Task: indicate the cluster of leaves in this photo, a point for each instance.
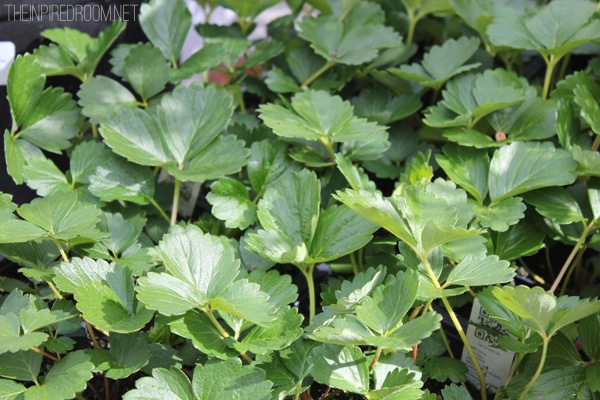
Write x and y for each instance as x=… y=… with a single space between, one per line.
x=357 y=127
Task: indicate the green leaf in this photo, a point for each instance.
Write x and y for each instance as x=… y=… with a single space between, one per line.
x=590 y=109
x=128 y=353
x=355 y=175
x=467 y=167
x=343 y=43
x=268 y=162
x=164 y=383
x=207 y=58
x=351 y=293
x=100 y=95
x=379 y=106
x=166 y=23
x=533 y=119
x=85 y=157
x=340 y=231
x=44 y=177
x=119 y=179
x=279 y=82
x=10 y=390
x=283 y=331
x=455 y=392
x=522 y=166
x=470 y=97
x=231 y=203
x=479 y=270
x=245 y=10
x=441 y=63
x=589 y=336
x=499 y=216
x=342 y=367
x=66 y=378
x=230 y=380
x=592 y=376
x=22 y=365
x=445 y=368
x=317 y=115
x=555 y=30
x=555 y=203
x=63 y=216
x=19 y=231
x=196 y=326
x=78 y=272
x=11 y=338
x=145 y=71
x=383 y=311
x=519 y=240
x=46 y=118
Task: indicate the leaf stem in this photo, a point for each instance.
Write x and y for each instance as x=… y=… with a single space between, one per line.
x=329 y=146
x=412 y=24
x=90 y=330
x=45 y=354
x=550 y=64
x=298 y=390
x=577 y=264
x=375 y=358
x=61 y=250
x=222 y=331
x=175 y=206
x=95 y=131
x=568 y=261
x=353 y=262
x=308 y=274
x=539 y=368
x=320 y=72
x=596 y=143
x=159 y=208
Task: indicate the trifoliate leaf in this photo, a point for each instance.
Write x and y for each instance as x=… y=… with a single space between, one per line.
x=101 y=95
x=499 y=216
x=231 y=203
x=343 y=367
x=555 y=203
x=166 y=23
x=66 y=378
x=343 y=43
x=42 y=175
x=63 y=216
x=467 y=167
x=11 y=338
x=383 y=311
x=230 y=380
x=164 y=383
x=479 y=270
x=128 y=353
x=145 y=71
x=119 y=179
x=47 y=118
x=441 y=63
x=379 y=106
x=555 y=30
x=469 y=97
x=523 y=166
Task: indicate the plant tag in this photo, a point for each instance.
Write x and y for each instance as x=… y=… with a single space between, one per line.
x=7 y=56
x=188 y=195
x=494 y=361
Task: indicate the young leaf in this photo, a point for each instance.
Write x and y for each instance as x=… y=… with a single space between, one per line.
x=230 y=380
x=128 y=353
x=499 y=216
x=470 y=97
x=101 y=95
x=11 y=339
x=467 y=167
x=66 y=378
x=343 y=367
x=555 y=30
x=63 y=216
x=343 y=43
x=479 y=270
x=231 y=203
x=441 y=63
x=166 y=23
x=268 y=162
x=122 y=180
x=379 y=106
x=522 y=166
x=164 y=383
x=278 y=335
x=555 y=203
x=351 y=293
x=145 y=71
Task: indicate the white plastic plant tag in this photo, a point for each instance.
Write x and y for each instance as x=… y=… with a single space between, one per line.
x=7 y=56
x=495 y=362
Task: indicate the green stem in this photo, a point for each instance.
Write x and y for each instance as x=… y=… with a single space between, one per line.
x=329 y=146
x=222 y=331
x=596 y=143
x=175 y=206
x=320 y=72
x=159 y=208
x=42 y=352
x=446 y=343
x=412 y=24
x=375 y=358
x=298 y=391
x=550 y=64
x=54 y=290
x=569 y=260
x=539 y=368
x=307 y=271
x=563 y=67
x=353 y=262
x=95 y=131
x=577 y=264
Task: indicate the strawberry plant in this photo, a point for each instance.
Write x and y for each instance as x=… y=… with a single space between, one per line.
x=317 y=228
